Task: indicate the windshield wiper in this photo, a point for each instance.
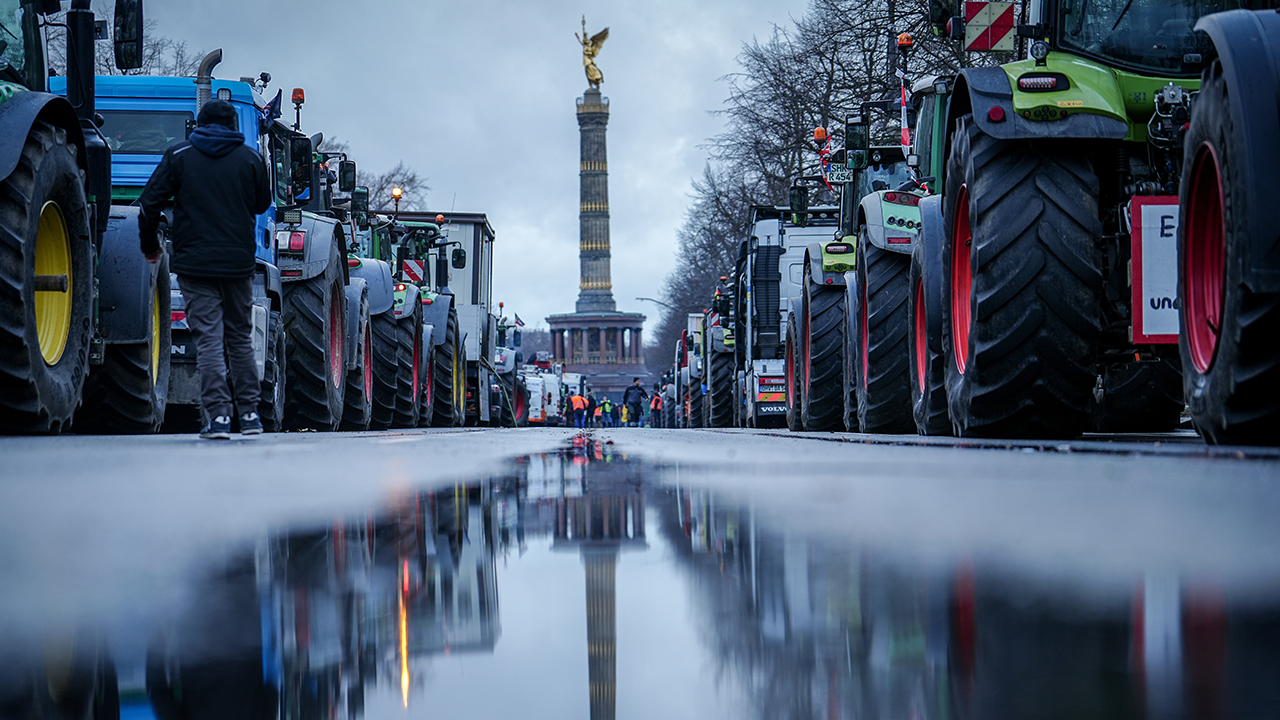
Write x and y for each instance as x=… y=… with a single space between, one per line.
x=1122 y=12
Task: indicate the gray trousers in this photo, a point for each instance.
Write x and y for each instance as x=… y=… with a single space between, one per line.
x=220 y=314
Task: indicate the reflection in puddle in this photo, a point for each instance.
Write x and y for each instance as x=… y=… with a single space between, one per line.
x=629 y=596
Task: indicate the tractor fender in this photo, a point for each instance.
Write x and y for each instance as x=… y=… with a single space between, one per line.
x=981 y=90
x=319 y=231
x=382 y=286
x=931 y=244
x=21 y=111
x=354 y=336
x=404 y=305
x=125 y=280
x=271 y=286
x=871 y=212
x=436 y=314
x=718 y=340
x=818 y=275
x=1247 y=43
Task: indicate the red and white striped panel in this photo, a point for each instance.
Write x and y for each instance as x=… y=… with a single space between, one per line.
x=414 y=270
x=988 y=26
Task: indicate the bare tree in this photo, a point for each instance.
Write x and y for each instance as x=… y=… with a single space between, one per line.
x=161 y=55
x=413 y=188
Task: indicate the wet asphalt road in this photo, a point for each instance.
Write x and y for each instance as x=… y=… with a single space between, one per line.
x=642 y=573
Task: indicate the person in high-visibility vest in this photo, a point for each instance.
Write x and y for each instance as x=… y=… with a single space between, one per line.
x=579 y=410
x=655 y=410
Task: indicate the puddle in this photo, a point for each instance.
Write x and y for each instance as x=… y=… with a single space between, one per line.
x=590 y=584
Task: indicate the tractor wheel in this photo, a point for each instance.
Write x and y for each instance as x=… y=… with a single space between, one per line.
x=880 y=366
x=518 y=395
x=409 y=370
x=720 y=386
x=447 y=376
x=1139 y=397
x=927 y=372
x=822 y=346
x=44 y=335
x=1231 y=368
x=315 y=339
x=850 y=393
x=696 y=400
x=428 y=388
x=271 y=402
x=357 y=405
x=794 y=385
x=128 y=392
x=386 y=347
x=1023 y=276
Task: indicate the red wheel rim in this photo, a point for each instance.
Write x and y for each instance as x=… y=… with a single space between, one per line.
x=429 y=388
x=368 y=364
x=336 y=336
x=921 y=336
x=961 y=278
x=519 y=402
x=864 y=334
x=1205 y=259
x=791 y=376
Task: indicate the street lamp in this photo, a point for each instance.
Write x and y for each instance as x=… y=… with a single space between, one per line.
x=658 y=302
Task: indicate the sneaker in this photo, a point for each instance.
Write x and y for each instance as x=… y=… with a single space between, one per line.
x=250 y=423
x=219 y=428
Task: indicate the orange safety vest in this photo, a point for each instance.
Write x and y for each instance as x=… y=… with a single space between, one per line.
x=579 y=402
x=655 y=403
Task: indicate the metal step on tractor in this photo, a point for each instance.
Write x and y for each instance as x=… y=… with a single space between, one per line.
x=1103 y=249
x=83 y=332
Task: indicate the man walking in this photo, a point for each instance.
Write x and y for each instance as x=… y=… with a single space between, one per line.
x=632 y=398
x=218 y=185
x=579 y=410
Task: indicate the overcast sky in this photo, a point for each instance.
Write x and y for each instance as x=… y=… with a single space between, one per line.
x=478 y=97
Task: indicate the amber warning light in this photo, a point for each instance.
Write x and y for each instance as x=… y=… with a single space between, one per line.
x=299 y=96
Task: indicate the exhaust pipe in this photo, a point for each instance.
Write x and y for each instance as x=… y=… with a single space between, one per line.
x=204 y=78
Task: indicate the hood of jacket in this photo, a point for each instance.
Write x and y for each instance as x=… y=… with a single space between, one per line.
x=215 y=140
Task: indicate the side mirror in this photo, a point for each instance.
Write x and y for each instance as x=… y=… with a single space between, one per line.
x=799 y=205
x=301 y=164
x=402 y=254
x=458 y=258
x=515 y=338
x=128 y=34
x=359 y=199
x=347 y=177
x=857 y=140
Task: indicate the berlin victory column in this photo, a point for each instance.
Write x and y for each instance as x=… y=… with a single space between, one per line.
x=598 y=341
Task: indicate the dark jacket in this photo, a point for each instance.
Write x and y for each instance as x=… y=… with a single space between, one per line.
x=634 y=395
x=219 y=186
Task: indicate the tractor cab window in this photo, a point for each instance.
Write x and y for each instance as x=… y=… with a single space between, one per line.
x=144 y=133
x=884 y=176
x=21 y=50
x=1145 y=35
x=280 y=167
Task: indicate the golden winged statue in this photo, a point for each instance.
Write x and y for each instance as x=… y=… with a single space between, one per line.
x=591 y=48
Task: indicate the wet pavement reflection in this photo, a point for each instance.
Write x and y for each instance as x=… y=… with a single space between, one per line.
x=590 y=584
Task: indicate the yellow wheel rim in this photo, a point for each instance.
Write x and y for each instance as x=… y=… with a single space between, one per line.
x=53 y=309
x=155 y=335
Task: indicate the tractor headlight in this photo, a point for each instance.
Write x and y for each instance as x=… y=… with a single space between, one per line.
x=1039 y=50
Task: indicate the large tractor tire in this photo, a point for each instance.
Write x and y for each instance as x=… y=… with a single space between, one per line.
x=880 y=365
x=409 y=370
x=721 y=390
x=44 y=335
x=822 y=349
x=1023 y=276
x=449 y=376
x=271 y=400
x=1139 y=397
x=357 y=404
x=128 y=392
x=696 y=400
x=794 y=385
x=428 y=410
x=517 y=394
x=1230 y=364
x=927 y=372
x=386 y=349
x=315 y=339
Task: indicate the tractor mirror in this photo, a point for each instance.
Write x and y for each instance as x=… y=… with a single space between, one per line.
x=346 y=176
x=360 y=199
x=799 y=205
x=300 y=166
x=857 y=140
x=128 y=34
x=515 y=338
x=459 y=258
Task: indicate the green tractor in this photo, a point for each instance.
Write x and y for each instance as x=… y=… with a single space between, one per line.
x=1061 y=222
x=83 y=318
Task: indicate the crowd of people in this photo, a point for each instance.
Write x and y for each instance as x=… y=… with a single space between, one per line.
x=590 y=411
